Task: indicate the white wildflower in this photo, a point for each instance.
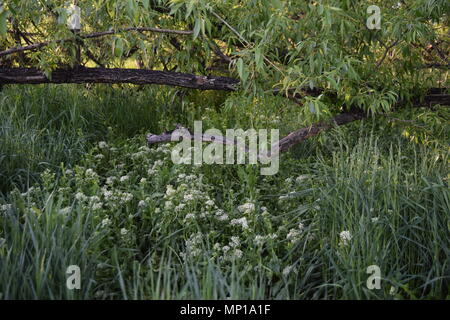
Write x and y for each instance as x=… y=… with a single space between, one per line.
x=247 y=207
x=168 y=205
x=235 y=242
x=302 y=177
x=345 y=237
x=241 y=222
x=123 y=232
x=106 y=222
x=210 y=203
x=259 y=240
x=110 y=180
x=180 y=207
x=190 y=216
x=127 y=197
x=170 y=191
x=90 y=173
x=102 y=145
x=124 y=178
x=237 y=253
x=301 y=226
x=97 y=206
x=142 y=204
x=80 y=196
x=293 y=235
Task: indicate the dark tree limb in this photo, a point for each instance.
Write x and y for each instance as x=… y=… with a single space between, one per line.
x=101 y=75
x=91 y=36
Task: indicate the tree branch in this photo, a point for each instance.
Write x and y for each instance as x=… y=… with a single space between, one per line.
x=101 y=75
x=36 y=46
x=435 y=96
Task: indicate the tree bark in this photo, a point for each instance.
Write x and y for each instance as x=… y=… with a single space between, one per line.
x=101 y=75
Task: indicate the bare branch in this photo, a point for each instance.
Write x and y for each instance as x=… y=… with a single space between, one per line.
x=386 y=52
x=91 y=36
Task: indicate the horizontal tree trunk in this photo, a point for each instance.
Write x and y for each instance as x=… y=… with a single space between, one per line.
x=102 y=75
x=282 y=145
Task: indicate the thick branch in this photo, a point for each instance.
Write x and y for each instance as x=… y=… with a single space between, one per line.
x=302 y=134
x=91 y=36
x=101 y=75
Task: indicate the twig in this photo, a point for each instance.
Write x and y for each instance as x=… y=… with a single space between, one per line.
x=386 y=52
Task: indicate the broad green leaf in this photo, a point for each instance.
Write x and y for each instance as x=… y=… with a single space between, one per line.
x=197 y=27
x=3 y=23
x=118 y=47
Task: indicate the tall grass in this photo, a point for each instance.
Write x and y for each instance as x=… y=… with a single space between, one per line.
x=394 y=203
x=371 y=193
x=42 y=126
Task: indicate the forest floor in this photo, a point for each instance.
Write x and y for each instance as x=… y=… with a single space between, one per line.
x=79 y=186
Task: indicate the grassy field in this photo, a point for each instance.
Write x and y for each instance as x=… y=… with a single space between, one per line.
x=79 y=186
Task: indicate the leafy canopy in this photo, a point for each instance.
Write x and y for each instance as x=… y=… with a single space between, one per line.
x=269 y=44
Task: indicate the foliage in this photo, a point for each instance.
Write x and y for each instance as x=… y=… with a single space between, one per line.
x=272 y=44
x=141 y=227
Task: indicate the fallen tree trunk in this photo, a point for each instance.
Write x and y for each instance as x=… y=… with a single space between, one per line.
x=435 y=96
x=283 y=144
x=102 y=75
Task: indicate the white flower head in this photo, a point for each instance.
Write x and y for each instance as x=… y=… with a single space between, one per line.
x=237 y=253
x=259 y=240
x=240 y=222
x=302 y=177
x=142 y=204
x=189 y=216
x=106 y=222
x=102 y=145
x=210 y=203
x=293 y=235
x=247 y=207
x=235 y=242
x=188 y=197
x=170 y=191
x=345 y=236
x=124 y=178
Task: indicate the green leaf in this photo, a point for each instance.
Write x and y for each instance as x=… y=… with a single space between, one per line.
x=259 y=58
x=241 y=70
x=312 y=107
x=118 y=47
x=145 y=3
x=197 y=27
x=3 y=23
x=190 y=7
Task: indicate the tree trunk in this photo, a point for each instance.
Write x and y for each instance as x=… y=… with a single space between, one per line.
x=102 y=75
